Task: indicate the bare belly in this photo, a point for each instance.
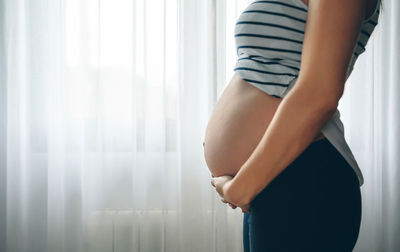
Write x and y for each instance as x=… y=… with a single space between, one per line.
x=237 y=124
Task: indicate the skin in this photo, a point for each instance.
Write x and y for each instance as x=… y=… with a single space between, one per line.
x=331 y=33
x=245 y=112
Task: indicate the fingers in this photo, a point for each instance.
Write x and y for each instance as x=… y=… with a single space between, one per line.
x=246 y=208
x=233 y=206
x=214 y=181
x=230 y=204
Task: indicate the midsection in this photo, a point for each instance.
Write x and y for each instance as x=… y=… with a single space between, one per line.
x=237 y=124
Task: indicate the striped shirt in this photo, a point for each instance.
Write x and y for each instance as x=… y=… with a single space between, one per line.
x=269 y=38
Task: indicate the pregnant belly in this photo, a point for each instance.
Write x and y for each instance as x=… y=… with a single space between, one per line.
x=237 y=124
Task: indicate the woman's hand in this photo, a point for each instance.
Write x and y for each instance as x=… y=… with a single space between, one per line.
x=245 y=208
x=221 y=185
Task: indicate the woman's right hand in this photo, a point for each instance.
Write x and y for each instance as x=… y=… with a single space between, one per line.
x=245 y=208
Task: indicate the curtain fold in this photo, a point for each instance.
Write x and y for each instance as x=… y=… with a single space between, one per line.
x=371 y=116
x=103 y=111
x=3 y=134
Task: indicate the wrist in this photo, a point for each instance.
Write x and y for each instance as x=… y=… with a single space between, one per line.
x=238 y=192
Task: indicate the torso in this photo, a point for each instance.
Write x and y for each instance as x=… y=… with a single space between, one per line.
x=237 y=124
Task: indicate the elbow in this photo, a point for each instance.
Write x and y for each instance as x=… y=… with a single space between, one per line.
x=323 y=95
x=323 y=101
x=329 y=104
x=327 y=99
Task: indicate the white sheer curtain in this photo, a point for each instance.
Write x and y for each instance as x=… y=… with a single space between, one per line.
x=103 y=109
x=370 y=108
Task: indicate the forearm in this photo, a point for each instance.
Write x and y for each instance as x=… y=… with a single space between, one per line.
x=297 y=121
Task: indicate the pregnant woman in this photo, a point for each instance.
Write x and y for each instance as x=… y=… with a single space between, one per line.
x=275 y=143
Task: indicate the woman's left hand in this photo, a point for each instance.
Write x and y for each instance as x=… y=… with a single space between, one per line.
x=221 y=184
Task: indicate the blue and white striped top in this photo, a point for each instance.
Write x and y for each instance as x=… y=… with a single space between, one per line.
x=269 y=38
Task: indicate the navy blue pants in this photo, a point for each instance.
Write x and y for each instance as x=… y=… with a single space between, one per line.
x=313 y=205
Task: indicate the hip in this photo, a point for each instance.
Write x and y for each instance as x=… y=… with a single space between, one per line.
x=320 y=175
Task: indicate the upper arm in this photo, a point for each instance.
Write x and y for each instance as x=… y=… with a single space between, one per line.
x=330 y=36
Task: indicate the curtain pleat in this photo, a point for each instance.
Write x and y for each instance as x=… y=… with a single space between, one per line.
x=370 y=108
